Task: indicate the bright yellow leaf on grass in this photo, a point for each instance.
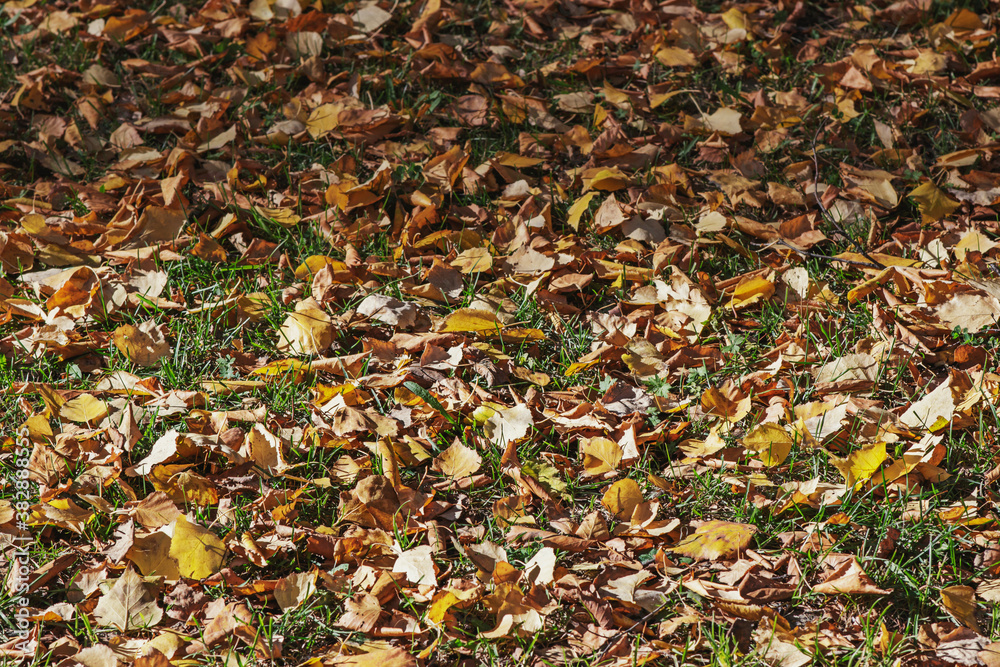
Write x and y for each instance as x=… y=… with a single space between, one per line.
x=312 y=265
x=578 y=366
x=577 y=210
x=198 y=551
x=770 y=442
x=471 y=320
x=861 y=464
x=933 y=203
x=713 y=540
x=283 y=368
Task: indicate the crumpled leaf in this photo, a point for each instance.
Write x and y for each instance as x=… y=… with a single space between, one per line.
x=144 y=345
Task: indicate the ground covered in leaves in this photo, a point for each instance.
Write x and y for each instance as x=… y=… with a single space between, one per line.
x=525 y=332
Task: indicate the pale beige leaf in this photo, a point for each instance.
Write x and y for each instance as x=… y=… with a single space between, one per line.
x=508 y=425
x=457 y=461
x=295 y=589
x=128 y=605
x=417 y=564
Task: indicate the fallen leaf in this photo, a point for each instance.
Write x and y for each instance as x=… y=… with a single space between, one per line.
x=470 y=320
x=960 y=602
x=933 y=203
x=622 y=499
x=197 y=551
x=307 y=331
x=715 y=540
x=128 y=605
x=457 y=461
x=861 y=464
x=771 y=443
x=417 y=564
x=292 y=591
x=143 y=345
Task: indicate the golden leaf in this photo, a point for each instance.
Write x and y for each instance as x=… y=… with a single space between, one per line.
x=861 y=464
x=471 y=320
x=933 y=203
x=197 y=551
x=713 y=540
x=770 y=442
x=622 y=499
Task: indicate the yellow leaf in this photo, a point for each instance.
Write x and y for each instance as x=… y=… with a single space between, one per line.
x=771 y=443
x=307 y=331
x=960 y=602
x=323 y=119
x=881 y=258
x=183 y=486
x=622 y=498
x=749 y=291
x=601 y=455
x=282 y=368
x=713 y=540
x=83 y=409
x=672 y=56
x=471 y=320
x=861 y=464
x=578 y=366
x=933 y=203
x=578 y=208
x=521 y=334
x=311 y=266
x=285 y=217
x=608 y=180
x=198 y=551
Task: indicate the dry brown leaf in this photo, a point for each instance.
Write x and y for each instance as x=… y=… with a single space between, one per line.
x=144 y=345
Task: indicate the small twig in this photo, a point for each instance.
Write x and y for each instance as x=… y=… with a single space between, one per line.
x=826 y=214
x=621 y=633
